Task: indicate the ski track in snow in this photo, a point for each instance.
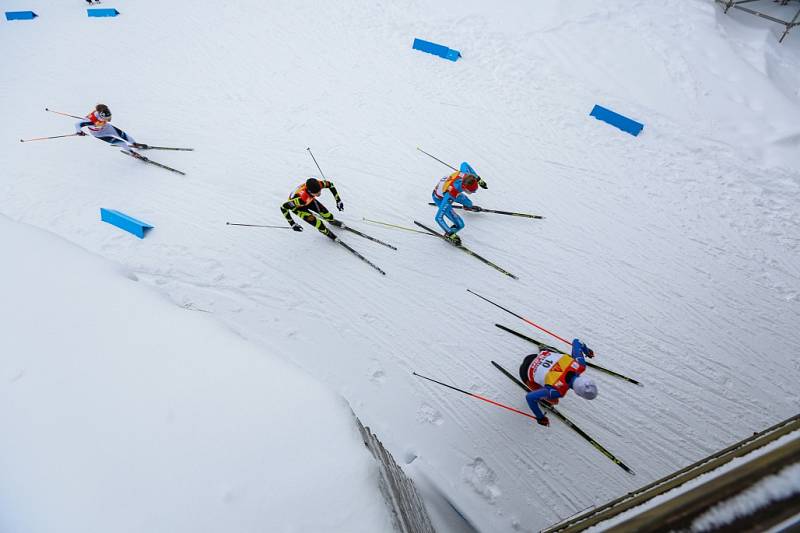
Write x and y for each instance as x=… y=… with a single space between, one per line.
x=671 y=254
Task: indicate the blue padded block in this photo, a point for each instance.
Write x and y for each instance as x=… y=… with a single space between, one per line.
x=123 y=221
x=20 y=15
x=436 y=49
x=615 y=119
x=102 y=12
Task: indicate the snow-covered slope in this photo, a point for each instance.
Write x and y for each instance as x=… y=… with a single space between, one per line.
x=673 y=254
x=122 y=412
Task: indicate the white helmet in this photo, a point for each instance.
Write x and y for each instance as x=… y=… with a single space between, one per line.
x=585 y=387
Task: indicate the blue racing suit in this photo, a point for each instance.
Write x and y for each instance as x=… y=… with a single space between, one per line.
x=449 y=190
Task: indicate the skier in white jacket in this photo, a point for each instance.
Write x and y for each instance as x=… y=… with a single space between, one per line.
x=98 y=122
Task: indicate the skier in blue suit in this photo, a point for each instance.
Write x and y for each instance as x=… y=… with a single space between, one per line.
x=454 y=188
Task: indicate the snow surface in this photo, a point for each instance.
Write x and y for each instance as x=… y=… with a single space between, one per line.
x=121 y=412
x=673 y=254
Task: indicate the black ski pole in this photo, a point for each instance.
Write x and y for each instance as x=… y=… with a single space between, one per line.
x=436 y=158
x=315 y=162
x=257 y=225
x=46 y=138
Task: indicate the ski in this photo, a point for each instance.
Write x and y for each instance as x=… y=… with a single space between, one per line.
x=339 y=224
x=367 y=261
x=467 y=250
x=543 y=346
x=141 y=146
x=568 y=422
x=484 y=210
x=150 y=161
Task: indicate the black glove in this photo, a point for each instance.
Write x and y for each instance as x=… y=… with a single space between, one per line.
x=482 y=183
x=339 y=205
x=544 y=421
x=297 y=227
x=588 y=352
x=476 y=208
x=81 y=133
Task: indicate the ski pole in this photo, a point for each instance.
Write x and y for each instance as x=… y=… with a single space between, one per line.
x=436 y=158
x=45 y=138
x=257 y=225
x=315 y=162
x=395 y=226
x=479 y=397
x=65 y=114
x=537 y=326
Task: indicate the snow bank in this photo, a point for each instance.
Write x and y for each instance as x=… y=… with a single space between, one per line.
x=122 y=412
x=773 y=488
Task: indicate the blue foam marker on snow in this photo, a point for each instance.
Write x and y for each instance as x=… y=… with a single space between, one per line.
x=436 y=49
x=123 y=221
x=20 y=15
x=615 y=119
x=102 y=12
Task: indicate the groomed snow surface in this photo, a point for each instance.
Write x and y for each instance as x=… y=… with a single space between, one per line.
x=673 y=254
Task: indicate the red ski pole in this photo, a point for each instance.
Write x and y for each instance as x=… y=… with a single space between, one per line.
x=65 y=114
x=479 y=397
x=537 y=326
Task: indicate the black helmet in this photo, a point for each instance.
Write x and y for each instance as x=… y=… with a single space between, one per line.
x=102 y=111
x=313 y=186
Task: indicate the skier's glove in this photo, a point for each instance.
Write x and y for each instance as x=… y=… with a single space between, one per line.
x=297 y=227
x=585 y=350
x=482 y=183
x=339 y=205
x=544 y=421
x=81 y=133
x=476 y=208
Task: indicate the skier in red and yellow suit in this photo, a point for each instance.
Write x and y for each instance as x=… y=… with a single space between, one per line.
x=550 y=375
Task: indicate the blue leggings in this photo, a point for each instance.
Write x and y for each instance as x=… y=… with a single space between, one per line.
x=446 y=210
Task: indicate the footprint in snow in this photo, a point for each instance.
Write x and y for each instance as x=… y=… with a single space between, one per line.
x=378 y=377
x=482 y=479
x=430 y=415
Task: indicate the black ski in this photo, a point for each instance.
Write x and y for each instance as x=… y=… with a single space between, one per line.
x=543 y=346
x=141 y=146
x=567 y=421
x=339 y=224
x=367 y=261
x=150 y=161
x=484 y=210
x=467 y=250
